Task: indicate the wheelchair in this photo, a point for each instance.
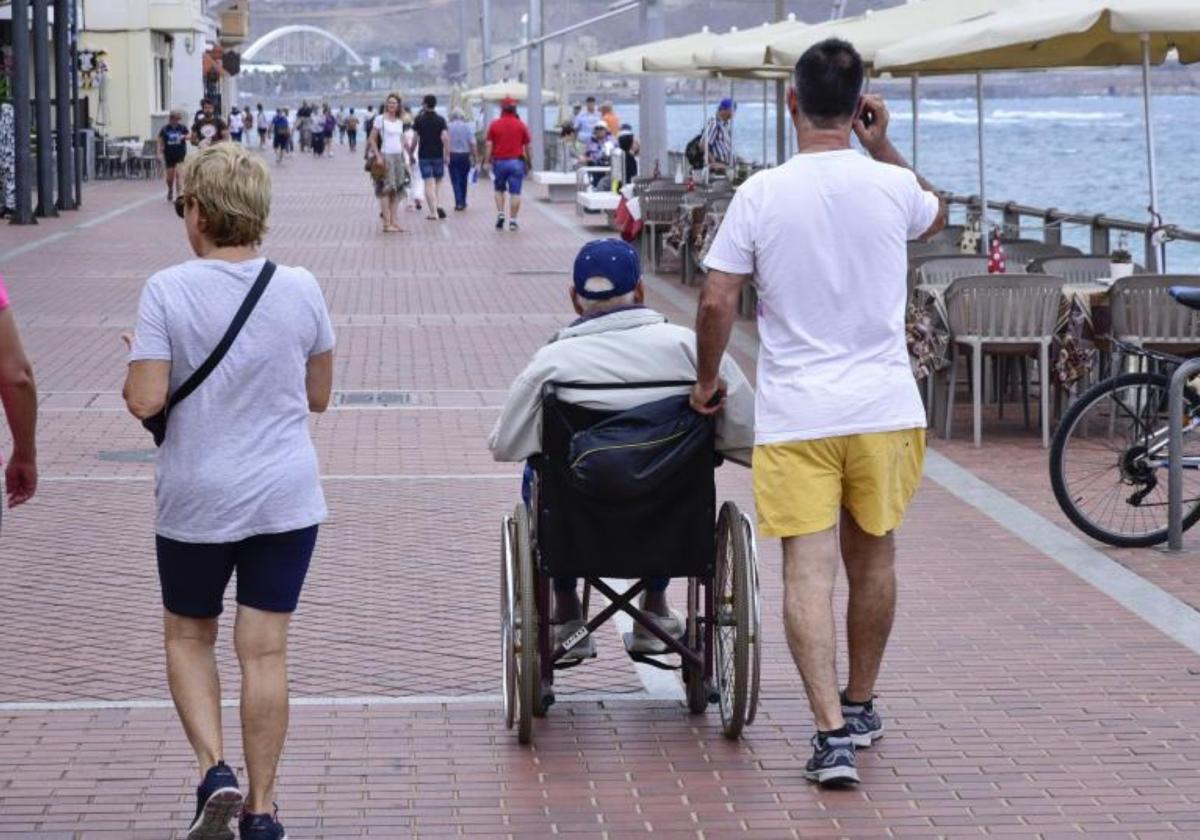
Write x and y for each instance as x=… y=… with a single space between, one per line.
x=673 y=530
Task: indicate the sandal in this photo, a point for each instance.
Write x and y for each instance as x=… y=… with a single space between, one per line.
x=644 y=642
x=583 y=649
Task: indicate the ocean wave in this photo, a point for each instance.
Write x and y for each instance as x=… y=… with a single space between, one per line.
x=1005 y=117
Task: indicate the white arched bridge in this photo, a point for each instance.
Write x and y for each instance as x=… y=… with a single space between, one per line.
x=299 y=28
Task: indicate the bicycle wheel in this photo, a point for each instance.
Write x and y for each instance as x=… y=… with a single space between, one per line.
x=1108 y=462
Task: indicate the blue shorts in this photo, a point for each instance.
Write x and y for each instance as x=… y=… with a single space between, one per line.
x=270 y=572
x=508 y=174
x=434 y=168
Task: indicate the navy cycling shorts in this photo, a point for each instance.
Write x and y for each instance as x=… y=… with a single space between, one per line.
x=270 y=572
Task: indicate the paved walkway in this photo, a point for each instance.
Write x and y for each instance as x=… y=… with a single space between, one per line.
x=1020 y=699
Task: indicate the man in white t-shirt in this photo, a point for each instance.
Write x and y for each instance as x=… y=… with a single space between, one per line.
x=839 y=429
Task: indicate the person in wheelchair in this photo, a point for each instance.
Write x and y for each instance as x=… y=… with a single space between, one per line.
x=616 y=338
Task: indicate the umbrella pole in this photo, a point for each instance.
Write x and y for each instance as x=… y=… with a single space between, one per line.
x=764 y=124
x=732 y=143
x=983 y=206
x=915 y=84
x=1155 y=253
x=704 y=124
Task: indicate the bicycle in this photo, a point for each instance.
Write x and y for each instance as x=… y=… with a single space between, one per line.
x=1108 y=459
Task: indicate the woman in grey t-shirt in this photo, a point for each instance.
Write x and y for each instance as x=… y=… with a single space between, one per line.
x=238 y=487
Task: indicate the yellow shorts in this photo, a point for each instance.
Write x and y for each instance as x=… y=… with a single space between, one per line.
x=800 y=486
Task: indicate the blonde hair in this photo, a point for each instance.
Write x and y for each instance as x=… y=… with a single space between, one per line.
x=233 y=189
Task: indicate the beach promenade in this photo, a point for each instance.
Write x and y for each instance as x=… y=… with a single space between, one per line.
x=1036 y=684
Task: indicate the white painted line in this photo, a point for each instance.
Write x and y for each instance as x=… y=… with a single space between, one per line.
x=1153 y=605
x=13 y=253
x=65 y=479
x=324 y=702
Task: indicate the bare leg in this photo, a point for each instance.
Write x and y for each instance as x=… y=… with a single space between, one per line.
x=261 y=642
x=431 y=197
x=809 y=571
x=195 y=684
x=499 y=203
x=514 y=206
x=170 y=182
x=871 y=571
x=385 y=211
x=393 y=210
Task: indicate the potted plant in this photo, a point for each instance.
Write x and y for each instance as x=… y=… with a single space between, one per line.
x=1120 y=262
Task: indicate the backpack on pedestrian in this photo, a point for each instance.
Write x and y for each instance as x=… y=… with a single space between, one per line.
x=694 y=151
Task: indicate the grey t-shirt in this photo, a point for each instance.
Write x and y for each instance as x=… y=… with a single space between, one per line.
x=462 y=135
x=237 y=459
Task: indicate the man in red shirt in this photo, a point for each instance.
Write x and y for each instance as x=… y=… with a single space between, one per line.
x=508 y=142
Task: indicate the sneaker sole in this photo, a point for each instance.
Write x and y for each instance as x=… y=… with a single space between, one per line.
x=833 y=777
x=222 y=807
x=863 y=742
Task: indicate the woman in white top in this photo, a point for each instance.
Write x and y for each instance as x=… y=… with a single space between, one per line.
x=389 y=159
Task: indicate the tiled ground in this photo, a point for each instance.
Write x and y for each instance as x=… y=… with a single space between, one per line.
x=1020 y=701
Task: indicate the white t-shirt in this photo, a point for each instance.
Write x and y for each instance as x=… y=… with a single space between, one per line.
x=238 y=459
x=824 y=236
x=391 y=136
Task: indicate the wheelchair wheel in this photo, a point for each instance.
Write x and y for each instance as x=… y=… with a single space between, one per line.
x=529 y=672
x=756 y=621
x=693 y=678
x=509 y=624
x=734 y=620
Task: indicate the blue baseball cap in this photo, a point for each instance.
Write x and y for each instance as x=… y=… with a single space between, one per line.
x=727 y=104
x=610 y=260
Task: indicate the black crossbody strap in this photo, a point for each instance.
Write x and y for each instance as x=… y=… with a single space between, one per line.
x=239 y=320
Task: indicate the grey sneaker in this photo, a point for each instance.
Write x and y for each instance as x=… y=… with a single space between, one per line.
x=864 y=723
x=833 y=763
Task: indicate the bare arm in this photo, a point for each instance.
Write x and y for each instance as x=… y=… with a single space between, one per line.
x=318 y=381
x=18 y=392
x=487 y=155
x=373 y=141
x=714 y=324
x=146 y=386
x=446 y=145
x=879 y=146
x=161 y=147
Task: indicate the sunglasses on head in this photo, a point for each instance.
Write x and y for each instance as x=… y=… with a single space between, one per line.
x=180 y=204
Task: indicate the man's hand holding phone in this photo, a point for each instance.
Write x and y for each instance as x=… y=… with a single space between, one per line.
x=870 y=124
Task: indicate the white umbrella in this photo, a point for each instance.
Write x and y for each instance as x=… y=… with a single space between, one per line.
x=499 y=91
x=631 y=61
x=1068 y=33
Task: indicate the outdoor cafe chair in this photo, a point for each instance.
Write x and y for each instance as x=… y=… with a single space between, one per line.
x=660 y=204
x=1001 y=315
x=146 y=161
x=1077 y=269
x=1145 y=315
x=942 y=269
x=1019 y=252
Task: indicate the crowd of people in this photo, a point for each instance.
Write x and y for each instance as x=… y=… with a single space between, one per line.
x=834 y=430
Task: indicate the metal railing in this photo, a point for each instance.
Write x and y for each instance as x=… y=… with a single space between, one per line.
x=1051 y=222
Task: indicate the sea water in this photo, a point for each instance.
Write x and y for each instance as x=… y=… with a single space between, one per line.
x=1078 y=154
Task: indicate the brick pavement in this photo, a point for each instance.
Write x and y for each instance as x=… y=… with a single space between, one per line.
x=1020 y=701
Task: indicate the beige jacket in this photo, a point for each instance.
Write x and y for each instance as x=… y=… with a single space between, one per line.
x=627 y=345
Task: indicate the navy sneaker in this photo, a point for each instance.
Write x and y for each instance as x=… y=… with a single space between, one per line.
x=864 y=723
x=262 y=827
x=513 y=226
x=833 y=763
x=218 y=801
x=500 y=222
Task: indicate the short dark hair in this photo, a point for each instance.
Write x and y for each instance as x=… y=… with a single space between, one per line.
x=430 y=100
x=829 y=80
x=590 y=99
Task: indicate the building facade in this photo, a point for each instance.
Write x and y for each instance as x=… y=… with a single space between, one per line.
x=141 y=58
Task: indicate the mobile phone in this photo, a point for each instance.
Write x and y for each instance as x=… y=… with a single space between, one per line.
x=867 y=116
x=715 y=399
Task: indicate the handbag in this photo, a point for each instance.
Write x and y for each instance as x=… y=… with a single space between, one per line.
x=157 y=425
x=377 y=168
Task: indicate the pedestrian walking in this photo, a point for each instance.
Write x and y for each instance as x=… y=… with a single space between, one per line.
x=282 y=131
x=433 y=144
x=328 y=126
x=304 y=125
x=18 y=394
x=318 y=133
x=208 y=128
x=247 y=126
x=340 y=116
x=389 y=161
x=235 y=125
x=586 y=119
x=412 y=151
x=508 y=151
x=352 y=130
x=237 y=481
x=463 y=156
x=840 y=429
x=172 y=148
x=262 y=122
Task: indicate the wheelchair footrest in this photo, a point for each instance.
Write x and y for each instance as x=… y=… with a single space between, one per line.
x=650 y=659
